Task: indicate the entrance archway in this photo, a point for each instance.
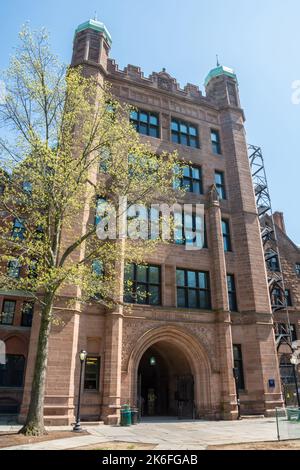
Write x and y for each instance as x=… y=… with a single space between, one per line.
x=183 y=357
x=165 y=382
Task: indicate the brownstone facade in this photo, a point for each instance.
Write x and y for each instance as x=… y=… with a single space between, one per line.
x=290 y=257
x=193 y=351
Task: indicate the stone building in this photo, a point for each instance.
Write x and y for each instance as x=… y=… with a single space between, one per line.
x=211 y=312
x=290 y=257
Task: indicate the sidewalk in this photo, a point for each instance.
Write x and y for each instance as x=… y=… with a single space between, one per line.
x=166 y=434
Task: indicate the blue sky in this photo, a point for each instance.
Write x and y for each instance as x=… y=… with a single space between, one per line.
x=259 y=38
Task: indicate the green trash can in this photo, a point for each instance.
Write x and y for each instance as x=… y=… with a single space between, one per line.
x=134 y=415
x=125 y=415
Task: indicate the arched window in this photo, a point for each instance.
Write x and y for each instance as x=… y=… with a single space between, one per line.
x=286 y=369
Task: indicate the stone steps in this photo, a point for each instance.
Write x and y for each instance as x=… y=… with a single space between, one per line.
x=252 y=417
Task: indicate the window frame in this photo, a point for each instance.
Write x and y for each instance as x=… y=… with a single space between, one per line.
x=272 y=261
x=217 y=142
x=183 y=241
x=190 y=180
x=5 y=301
x=137 y=123
x=11 y=268
x=297 y=269
x=133 y=293
x=282 y=328
x=221 y=187
x=188 y=135
x=97 y=374
x=186 y=288
x=232 y=295
x=226 y=235
x=277 y=298
x=288 y=297
x=294 y=332
x=239 y=366
x=27 y=324
x=18 y=231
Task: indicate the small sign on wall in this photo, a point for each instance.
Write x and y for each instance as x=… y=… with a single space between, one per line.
x=271 y=383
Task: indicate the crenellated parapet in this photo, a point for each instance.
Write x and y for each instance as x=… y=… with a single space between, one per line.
x=159 y=80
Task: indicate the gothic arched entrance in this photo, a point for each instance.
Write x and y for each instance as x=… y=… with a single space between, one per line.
x=165 y=382
x=183 y=367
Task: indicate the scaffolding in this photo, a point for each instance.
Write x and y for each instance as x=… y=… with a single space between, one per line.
x=276 y=283
x=277 y=291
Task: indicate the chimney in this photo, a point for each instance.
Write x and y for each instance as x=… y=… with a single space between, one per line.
x=279 y=221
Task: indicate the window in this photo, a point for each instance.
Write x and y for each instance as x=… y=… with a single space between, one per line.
x=144 y=222
x=231 y=293
x=13 y=269
x=294 y=333
x=105 y=159
x=191 y=180
x=297 y=267
x=272 y=261
x=97 y=267
x=277 y=297
x=193 y=289
x=283 y=329
x=220 y=184
x=102 y=211
x=226 y=235
x=27 y=187
x=142 y=284
x=18 y=230
x=39 y=233
x=190 y=229
x=32 y=269
x=145 y=123
x=288 y=297
x=286 y=370
x=12 y=372
x=215 y=142
x=91 y=373
x=8 y=312
x=27 y=314
x=184 y=133
x=238 y=366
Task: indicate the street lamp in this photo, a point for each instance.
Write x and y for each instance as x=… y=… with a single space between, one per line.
x=295 y=361
x=82 y=356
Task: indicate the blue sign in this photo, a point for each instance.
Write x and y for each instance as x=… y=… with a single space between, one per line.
x=271 y=383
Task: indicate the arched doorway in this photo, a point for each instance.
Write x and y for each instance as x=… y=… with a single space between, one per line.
x=165 y=385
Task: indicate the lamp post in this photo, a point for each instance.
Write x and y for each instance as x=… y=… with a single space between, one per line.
x=295 y=362
x=82 y=356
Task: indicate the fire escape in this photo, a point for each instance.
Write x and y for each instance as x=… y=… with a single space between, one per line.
x=270 y=245
x=278 y=297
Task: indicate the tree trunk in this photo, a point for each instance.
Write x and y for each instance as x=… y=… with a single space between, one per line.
x=34 y=425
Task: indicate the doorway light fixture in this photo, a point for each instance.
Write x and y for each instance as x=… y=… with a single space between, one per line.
x=152 y=361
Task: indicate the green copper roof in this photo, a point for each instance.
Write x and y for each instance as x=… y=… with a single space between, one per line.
x=96 y=26
x=218 y=71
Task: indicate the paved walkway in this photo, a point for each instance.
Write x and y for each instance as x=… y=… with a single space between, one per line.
x=166 y=434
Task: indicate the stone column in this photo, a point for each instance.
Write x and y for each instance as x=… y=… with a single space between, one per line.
x=221 y=306
x=113 y=343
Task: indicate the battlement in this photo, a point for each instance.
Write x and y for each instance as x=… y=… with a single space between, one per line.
x=159 y=80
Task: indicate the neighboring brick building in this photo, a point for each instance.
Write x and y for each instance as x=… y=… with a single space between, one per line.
x=211 y=310
x=290 y=261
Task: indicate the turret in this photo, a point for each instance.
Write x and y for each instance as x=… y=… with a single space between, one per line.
x=92 y=43
x=222 y=87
